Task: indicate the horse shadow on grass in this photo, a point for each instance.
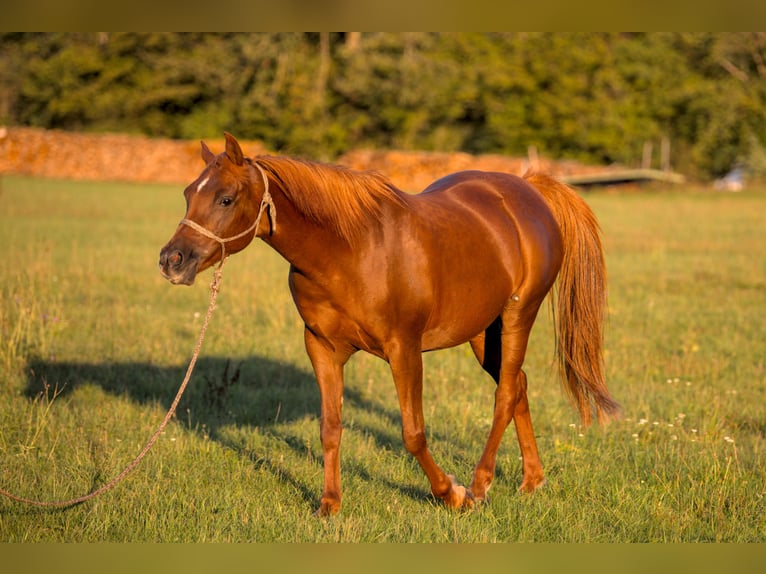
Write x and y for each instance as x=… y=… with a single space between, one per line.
x=255 y=392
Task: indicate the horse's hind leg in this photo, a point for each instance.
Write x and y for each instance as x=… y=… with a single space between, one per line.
x=501 y=350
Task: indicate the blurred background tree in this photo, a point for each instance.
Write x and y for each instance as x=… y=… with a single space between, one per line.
x=595 y=97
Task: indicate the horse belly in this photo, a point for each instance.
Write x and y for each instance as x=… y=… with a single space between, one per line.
x=463 y=309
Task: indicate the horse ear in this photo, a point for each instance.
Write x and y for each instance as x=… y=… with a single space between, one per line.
x=207 y=155
x=233 y=150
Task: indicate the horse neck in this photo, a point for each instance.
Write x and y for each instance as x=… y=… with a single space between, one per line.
x=303 y=243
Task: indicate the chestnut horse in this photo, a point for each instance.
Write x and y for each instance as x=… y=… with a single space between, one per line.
x=471 y=258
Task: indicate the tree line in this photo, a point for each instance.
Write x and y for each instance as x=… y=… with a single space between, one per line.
x=594 y=97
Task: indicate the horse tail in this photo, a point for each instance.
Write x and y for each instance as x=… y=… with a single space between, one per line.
x=580 y=300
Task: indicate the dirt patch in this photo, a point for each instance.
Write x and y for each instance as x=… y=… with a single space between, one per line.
x=119 y=157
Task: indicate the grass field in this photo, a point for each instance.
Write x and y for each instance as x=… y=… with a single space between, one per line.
x=93 y=345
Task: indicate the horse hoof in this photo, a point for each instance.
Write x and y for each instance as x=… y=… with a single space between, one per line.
x=459 y=497
x=327 y=508
x=479 y=501
x=528 y=486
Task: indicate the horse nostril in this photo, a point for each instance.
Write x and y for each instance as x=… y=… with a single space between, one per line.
x=175 y=259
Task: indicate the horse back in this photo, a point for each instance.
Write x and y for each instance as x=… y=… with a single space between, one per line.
x=490 y=207
x=486 y=237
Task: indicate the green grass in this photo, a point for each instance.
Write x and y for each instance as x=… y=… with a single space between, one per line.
x=94 y=343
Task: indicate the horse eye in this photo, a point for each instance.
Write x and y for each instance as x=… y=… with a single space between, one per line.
x=226 y=201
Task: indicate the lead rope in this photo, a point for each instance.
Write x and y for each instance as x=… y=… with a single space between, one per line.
x=215 y=286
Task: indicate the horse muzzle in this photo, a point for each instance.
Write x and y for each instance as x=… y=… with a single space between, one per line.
x=176 y=267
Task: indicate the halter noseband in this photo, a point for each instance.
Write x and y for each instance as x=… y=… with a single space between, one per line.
x=266 y=201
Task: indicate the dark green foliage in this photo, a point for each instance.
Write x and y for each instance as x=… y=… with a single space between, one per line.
x=596 y=97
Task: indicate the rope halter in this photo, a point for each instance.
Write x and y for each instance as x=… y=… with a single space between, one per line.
x=266 y=201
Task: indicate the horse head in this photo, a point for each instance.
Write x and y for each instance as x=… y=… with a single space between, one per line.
x=222 y=207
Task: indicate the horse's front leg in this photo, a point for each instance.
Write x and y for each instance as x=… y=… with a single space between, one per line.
x=407 y=368
x=328 y=367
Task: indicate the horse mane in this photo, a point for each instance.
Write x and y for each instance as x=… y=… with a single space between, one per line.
x=332 y=195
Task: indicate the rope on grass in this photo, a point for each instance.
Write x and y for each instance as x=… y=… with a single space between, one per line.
x=215 y=286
